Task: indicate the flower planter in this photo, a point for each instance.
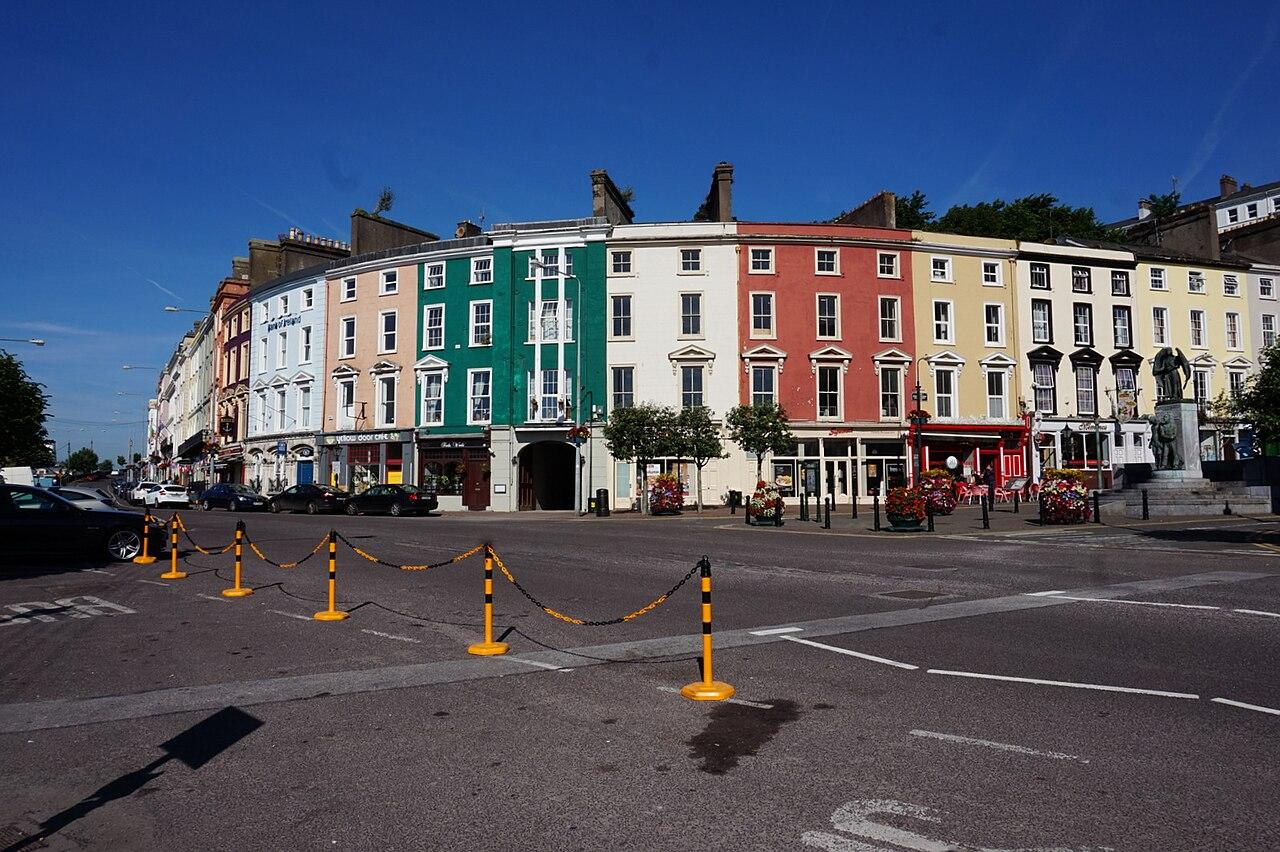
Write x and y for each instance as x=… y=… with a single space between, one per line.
x=905 y=523
x=905 y=509
x=1064 y=497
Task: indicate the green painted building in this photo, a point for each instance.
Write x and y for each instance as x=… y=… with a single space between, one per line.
x=511 y=346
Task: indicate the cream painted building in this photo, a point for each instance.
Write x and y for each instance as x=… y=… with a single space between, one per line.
x=672 y=337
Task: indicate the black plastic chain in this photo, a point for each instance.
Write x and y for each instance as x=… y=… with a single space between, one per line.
x=605 y=623
x=371 y=558
x=209 y=551
x=250 y=543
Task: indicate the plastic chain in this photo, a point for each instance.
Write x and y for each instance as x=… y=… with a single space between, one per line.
x=258 y=553
x=206 y=551
x=371 y=558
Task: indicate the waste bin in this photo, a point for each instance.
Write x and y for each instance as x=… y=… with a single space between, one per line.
x=602 y=502
x=735 y=499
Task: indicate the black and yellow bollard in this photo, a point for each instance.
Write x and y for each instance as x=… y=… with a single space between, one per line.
x=332 y=613
x=173 y=573
x=488 y=648
x=145 y=558
x=238 y=591
x=707 y=689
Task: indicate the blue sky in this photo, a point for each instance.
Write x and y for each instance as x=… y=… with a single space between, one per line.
x=145 y=143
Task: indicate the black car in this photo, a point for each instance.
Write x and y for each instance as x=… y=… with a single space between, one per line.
x=34 y=522
x=233 y=497
x=311 y=499
x=392 y=499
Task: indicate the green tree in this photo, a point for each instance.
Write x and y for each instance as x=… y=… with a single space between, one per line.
x=137 y=458
x=82 y=461
x=1035 y=218
x=1258 y=405
x=1164 y=205
x=104 y=466
x=120 y=461
x=698 y=439
x=760 y=429
x=913 y=212
x=22 y=417
x=386 y=199
x=640 y=433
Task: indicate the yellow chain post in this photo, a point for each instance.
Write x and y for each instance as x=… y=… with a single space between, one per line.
x=332 y=613
x=173 y=573
x=145 y=558
x=488 y=648
x=238 y=591
x=706 y=689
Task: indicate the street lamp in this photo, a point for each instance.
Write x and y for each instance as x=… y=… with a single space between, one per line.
x=558 y=270
x=34 y=341
x=918 y=418
x=174 y=309
x=139 y=367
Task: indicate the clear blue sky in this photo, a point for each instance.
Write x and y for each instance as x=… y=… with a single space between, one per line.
x=144 y=144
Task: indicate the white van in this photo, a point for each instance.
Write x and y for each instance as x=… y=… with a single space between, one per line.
x=17 y=476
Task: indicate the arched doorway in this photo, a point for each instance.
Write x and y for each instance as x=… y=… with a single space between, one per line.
x=546 y=476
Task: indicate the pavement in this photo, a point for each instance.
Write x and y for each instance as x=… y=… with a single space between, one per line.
x=1019 y=687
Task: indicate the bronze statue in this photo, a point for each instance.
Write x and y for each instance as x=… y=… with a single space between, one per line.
x=1165 y=443
x=1166 y=366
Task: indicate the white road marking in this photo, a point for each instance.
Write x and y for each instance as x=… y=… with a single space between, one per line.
x=96 y=571
x=153 y=582
x=774 y=631
x=860 y=656
x=1259 y=708
x=954 y=738
x=389 y=635
x=291 y=615
x=1137 y=603
x=541 y=665
x=1053 y=592
x=212 y=598
x=741 y=701
x=1042 y=682
x=1257 y=612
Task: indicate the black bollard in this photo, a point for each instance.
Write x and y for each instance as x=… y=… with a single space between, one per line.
x=928 y=512
x=1146 y=510
x=855 y=506
x=1097 y=509
x=777 y=515
x=1041 y=510
x=804 y=506
x=875 y=505
x=826 y=522
x=986 y=519
x=1015 y=502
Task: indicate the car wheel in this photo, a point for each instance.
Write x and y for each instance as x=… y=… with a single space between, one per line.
x=395 y=510
x=207 y=506
x=313 y=508
x=124 y=544
x=274 y=507
x=232 y=507
x=352 y=510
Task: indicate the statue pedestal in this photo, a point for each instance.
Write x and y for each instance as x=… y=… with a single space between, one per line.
x=1186 y=417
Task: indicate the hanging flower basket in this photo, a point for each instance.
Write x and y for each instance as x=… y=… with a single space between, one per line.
x=940 y=490
x=1065 y=497
x=578 y=435
x=905 y=509
x=666 y=497
x=766 y=506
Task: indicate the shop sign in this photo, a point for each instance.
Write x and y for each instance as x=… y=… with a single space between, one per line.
x=364 y=438
x=284 y=322
x=281 y=448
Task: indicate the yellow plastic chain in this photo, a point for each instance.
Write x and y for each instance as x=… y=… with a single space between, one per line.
x=569 y=619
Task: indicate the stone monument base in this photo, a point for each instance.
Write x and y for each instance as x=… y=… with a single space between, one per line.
x=1173 y=496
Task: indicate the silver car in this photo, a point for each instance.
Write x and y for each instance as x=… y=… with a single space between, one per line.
x=93 y=499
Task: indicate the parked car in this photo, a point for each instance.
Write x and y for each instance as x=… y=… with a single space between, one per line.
x=93 y=499
x=35 y=522
x=311 y=499
x=233 y=497
x=167 y=495
x=140 y=491
x=393 y=499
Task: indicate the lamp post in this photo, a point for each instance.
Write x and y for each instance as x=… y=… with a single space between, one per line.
x=918 y=398
x=174 y=309
x=34 y=341
x=558 y=270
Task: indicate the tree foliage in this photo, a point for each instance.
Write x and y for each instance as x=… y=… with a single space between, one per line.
x=1163 y=205
x=82 y=461
x=698 y=439
x=1258 y=405
x=760 y=429
x=386 y=199
x=22 y=417
x=639 y=433
x=104 y=466
x=1035 y=218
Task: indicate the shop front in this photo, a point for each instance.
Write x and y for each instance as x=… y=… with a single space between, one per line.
x=458 y=468
x=276 y=464
x=973 y=446
x=355 y=461
x=843 y=466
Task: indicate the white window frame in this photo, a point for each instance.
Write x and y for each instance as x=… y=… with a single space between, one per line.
x=1233 y=215
x=304 y=406
x=881 y=301
x=308 y=298
x=1121 y=275
x=1233 y=332
x=280 y=413
x=756 y=334
x=1092 y=372
x=998 y=267
x=691 y=265
x=768 y=268
x=1158 y=278
x=423 y=383
x=1003 y=396
x=265 y=354
x=1196 y=374
x=382 y=331
x=950 y=321
x=474 y=325
x=1236 y=379
x=1051 y=388
x=615 y=371
x=1086 y=278
x=428 y=277
x=304 y=345
x=427 y=326
x=1231 y=285
x=1075 y=324
x=999 y=342
x=1268 y=332
x=1192 y=316
x=349 y=291
x=471 y=398
x=771 y=370
x=382 y=382
x=1039 y=266
x=1159 y=325
x=952 y=397
x=388 y=282
x=699 y=317
x=895 y=261
x=346 y=413
x=885 y=371
x=699 y=370
x=1128 y=329
x=482 y=271
x=282 y=350
x=947 y=275
x=284 y=303
x=817 y=313
x=616 y=299
x=345 y=351
x=1266 y=287
x=622 y=262
x=817 y=260
x=1196 y=282
x=838 y=371
x=1048 y=321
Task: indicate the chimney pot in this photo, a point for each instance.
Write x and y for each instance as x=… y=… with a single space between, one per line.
x=1144 y=209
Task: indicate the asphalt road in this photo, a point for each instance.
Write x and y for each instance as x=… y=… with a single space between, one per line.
x=893 y=692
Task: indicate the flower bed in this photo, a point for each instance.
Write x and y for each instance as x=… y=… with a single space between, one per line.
x=666 y=497
x=904 y=508
x=766 y=505
x=940 y=490
x=1064 y=496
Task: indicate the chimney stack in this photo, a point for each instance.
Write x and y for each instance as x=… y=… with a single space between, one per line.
x=1144 y=209
x=1227 y=186
x=607 y=200
x=722 y=185
x=466 y=228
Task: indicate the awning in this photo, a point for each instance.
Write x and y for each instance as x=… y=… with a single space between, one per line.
x=192 y=448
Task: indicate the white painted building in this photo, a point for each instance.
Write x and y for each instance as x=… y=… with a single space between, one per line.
x=1264 y=308
x=672 y=332
x=286 y=386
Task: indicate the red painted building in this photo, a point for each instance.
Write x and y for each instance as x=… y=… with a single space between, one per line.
x=826 y=329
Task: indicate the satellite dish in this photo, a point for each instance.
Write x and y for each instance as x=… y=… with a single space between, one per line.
x=952 y=462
